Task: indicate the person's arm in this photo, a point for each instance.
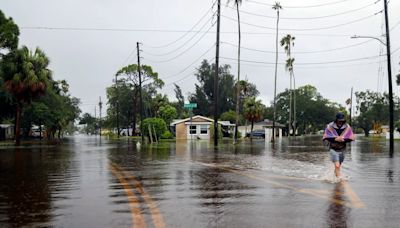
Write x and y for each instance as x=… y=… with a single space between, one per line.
x=331 y=140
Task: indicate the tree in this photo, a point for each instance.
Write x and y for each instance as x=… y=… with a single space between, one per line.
x=180 y=101
x=158 y=124
x=26 y=77
x=150 y=83
x=237 y=3
x=167 y=113
x=276 y=7
x=314 y=111
x=9 y=33
x=288 y=42
x=204 y=91
x=228 y=116
x=90 y=123
x=398 y=79
x=372 y=108
x=56 y=110
x=253 y=110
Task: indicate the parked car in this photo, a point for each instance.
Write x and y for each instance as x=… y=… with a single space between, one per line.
x=35 y=132
x=256 y=134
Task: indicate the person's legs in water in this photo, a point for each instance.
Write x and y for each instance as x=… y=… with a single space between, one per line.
x=337 y=159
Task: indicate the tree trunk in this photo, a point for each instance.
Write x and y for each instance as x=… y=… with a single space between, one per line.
x=290 y=104
x=18 y=125
x=251 y=132
x=59 y=133
x=238 y=77
x=366 y=132
x=134 y=114
x=40 y=131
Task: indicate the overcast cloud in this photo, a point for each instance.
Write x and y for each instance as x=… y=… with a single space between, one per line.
x=89 y=59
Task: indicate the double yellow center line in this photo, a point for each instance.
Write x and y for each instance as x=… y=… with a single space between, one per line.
x=131 y=185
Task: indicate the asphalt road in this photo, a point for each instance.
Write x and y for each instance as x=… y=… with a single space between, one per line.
x=87 y=182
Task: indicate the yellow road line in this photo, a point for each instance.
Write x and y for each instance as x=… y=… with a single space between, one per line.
x=137 y=217
x=355 y=202
x=157 y=217
x=353 y=197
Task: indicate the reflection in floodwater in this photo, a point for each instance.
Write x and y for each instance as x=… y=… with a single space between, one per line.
x=31 y=179
x=337 y=213
x=194 y=184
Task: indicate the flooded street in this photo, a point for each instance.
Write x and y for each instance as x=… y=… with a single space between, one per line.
x=86 y=182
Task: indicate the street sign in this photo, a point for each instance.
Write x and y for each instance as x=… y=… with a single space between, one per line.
x=190 y=106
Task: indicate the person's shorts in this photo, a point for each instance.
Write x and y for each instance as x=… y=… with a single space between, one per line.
x=337 y=156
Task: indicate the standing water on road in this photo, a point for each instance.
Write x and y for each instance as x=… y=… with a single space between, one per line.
x=88 y=182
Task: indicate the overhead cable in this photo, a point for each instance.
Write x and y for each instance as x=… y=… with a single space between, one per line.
x=185 y=34
x=183 y=44
x=260 y=64
x=305 y=29
x=187 y=67
x=186 y=76
x=309 y=63
x=307 y=18
x=184 y=51
x=301 y=52
x=300 y=7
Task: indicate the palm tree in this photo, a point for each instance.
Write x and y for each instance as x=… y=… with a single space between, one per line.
x=237 y=3
x=276 y=7
x=253 y=110
x=288 y=42
x=26 y=78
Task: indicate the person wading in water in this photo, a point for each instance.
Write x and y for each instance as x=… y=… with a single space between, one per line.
x=338 y=133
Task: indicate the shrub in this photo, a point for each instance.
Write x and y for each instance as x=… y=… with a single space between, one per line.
x=167 y=135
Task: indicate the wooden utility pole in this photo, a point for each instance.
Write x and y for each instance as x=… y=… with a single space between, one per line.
x=100 y=106
x=216 y=77
x=117 y=104
x=351 y=105
x=389 y=66
x=140 y=91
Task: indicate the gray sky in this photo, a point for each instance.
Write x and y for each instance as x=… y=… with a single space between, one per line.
x=89 y=59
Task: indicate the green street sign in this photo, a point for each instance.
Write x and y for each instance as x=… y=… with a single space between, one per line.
x=190 y=106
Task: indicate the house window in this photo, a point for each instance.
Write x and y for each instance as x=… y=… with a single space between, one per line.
x=193 y=129
x=203 y=129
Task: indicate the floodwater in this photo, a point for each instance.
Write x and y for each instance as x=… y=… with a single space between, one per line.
x=88 y=182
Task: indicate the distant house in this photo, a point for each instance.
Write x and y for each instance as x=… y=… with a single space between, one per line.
x=6 y=131
x=198 y=128
x=265 y=125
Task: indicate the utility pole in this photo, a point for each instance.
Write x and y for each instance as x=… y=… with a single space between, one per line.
x=389 y=66
x=100 y=106
x=216 y=77
x=117 y=104
x=140 y=92
x=95 y=116
x=351 y=104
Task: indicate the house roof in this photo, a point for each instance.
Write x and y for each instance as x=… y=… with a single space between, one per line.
x=224 y=123
x=268 y=124
x=175 y=122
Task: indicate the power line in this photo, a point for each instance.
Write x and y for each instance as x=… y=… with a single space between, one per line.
x=186 y=33
x=305 y=29
x=302 y=52
x=307 y=18
x=186 y=76
x=261 y=64
x=182 y=45
x=169 y=31
x=183 y=52
x=310 y=63
x=301 y=7
x=184 y=69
